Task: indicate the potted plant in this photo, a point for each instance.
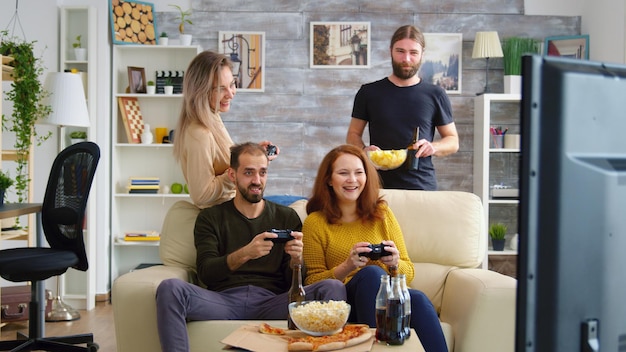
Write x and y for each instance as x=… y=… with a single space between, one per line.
x=185 y=39
x=80 y=53
x=150 y=87
x=5 y=183
x=78 y=136
x=26 y=94
x=497 y=232
x=513 y=49
x=163 y=39
x=168 y=88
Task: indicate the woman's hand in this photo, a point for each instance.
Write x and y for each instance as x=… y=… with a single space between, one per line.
x=355 y=258
x=394 y=258
x=265 y=144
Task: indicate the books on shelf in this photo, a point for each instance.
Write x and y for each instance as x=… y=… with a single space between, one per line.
x=142 y=236
x=143 y=185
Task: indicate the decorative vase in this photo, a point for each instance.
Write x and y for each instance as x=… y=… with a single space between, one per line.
x=168 y=90
x=164 y=40
x=80 y=54
x=498 y=244
x=512 y=84
x=146 y=136
x=185 y=39
x=150 y=89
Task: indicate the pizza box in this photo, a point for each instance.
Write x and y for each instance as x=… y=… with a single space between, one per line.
x=248 y=337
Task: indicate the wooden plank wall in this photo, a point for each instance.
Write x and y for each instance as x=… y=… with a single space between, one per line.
x=306 y=111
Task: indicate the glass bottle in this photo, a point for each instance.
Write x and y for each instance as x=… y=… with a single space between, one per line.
x=381 y=308
x=394 y=326
x=296 y=292
x=407 y=306
x=412 y=162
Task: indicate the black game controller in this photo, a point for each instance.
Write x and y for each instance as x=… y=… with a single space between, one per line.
x=283 y=236
x=271 y=150
x=377 y=252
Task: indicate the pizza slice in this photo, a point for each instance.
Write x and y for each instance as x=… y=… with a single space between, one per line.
x=352 y=334
x=265 y=328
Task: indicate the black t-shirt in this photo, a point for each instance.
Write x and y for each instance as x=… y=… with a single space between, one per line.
x=392 y=114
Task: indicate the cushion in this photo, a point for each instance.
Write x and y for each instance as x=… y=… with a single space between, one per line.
x=177 y=246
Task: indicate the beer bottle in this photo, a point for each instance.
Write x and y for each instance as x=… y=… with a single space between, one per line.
x=296 y=292
x=381 y=308
x=395 y=314
x=412 y=161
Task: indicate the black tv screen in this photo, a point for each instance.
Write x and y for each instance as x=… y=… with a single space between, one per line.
x=572 y=213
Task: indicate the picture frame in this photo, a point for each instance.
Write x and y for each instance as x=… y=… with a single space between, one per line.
x=342 y=44
x=131 y=118
x=247 y=53
x=442 y=61
x=572 y=46
x=137 y=79
x=142 y=23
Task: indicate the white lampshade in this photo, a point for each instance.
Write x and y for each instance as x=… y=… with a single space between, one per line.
x=486 y=45
x=66 y=99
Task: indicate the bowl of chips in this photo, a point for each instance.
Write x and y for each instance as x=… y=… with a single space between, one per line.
x=319 y=318
x=387 y=159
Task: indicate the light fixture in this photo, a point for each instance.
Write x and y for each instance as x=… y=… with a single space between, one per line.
x=66 y=98
x=355 y=44
x=486 y=45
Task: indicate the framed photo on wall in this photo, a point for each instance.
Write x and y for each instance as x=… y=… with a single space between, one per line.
x=572 y=46
x=138 y=28
x=442 y=62
x=247 y=52
x=137 y=79
x=340 y=45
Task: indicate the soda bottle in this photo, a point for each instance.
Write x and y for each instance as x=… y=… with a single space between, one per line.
x=394 y=325
x=381 y=308
x=296 y=292
x=412 y=162
x=407 y=306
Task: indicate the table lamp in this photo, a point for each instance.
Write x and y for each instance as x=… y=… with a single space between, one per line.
x=486 y=45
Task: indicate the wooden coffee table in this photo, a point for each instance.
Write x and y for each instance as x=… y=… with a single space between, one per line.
x=413 y=344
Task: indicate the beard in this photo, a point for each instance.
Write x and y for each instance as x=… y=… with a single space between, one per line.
x=252 y=198
x=401 y=71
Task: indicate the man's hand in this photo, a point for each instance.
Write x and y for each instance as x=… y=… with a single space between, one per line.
x=257 y=248
x=294 y=247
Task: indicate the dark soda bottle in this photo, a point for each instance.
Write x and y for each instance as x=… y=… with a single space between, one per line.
x=394 y=325
x=412 y=161
x=296 y=292
x=407 y=306
x=381 y=308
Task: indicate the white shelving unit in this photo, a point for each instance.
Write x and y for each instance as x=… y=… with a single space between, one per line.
x=79 y=288
x=483 y=153
x=143 y=212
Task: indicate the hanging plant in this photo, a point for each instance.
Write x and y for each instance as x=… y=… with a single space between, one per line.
x=26 y=94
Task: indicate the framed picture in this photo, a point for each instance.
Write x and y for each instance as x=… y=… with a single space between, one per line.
x=573 y=46
x=441 y=64
x=247 y=52
x=139 y=28
x=137 y=79
x=340 y=45
x=131 y=118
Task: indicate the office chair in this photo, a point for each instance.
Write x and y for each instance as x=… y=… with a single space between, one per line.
x=62 y=214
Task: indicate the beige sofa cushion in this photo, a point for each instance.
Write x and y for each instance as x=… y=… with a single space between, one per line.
x=177 y=246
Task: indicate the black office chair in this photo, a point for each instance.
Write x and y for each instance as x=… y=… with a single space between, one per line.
x=62 y=214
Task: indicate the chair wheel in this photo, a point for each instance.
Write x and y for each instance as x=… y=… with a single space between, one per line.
x=93 y=347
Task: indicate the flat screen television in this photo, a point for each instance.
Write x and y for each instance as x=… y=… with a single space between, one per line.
x=572 y=213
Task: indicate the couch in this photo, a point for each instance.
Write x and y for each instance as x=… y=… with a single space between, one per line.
x=445 y=233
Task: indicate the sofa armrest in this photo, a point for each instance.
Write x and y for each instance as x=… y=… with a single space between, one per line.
x=134 y=307
x=480 y=306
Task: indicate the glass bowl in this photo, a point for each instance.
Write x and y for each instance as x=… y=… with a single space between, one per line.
x=319 y=318
x=387 y=159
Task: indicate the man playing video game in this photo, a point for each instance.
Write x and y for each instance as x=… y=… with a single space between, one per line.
x=247 y=272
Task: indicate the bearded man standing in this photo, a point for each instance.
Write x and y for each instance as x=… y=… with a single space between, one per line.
x=398 y=104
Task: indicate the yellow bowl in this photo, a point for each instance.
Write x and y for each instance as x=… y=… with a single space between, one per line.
x=387 y=159
x=319 y=318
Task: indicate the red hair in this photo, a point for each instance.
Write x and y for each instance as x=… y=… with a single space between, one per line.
x=369 y=203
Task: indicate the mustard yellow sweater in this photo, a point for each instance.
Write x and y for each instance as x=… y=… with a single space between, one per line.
x=326 y=246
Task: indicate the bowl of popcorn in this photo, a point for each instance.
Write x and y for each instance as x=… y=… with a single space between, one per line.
x=387 y=159
x=319 y=318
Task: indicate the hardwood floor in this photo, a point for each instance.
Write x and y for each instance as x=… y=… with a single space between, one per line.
x=98 y=321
